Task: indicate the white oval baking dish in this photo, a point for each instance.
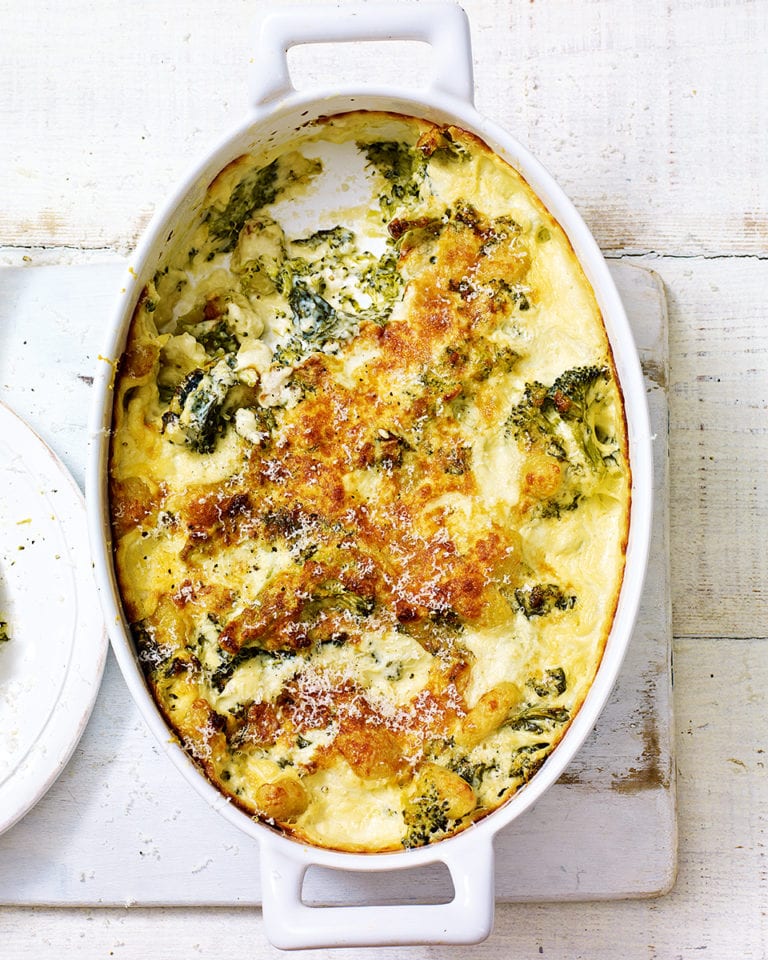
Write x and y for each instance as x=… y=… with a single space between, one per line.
x=277 y=111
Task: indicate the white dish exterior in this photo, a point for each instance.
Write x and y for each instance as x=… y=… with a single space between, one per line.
x=51 y=667
x=278 y=112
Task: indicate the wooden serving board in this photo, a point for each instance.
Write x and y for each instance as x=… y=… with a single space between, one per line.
x=121 y=826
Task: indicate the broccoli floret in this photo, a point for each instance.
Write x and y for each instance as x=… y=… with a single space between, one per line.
x=542 y=598
x=575 y=395
x=533 y=417
x=527 y=760
x=216 y=337
x=566 y=411
x=383 y=283
x=554 y=509
x=426 y=818
x=551 y=684
x=402 y=167
x=472 y=773
x=542 y=716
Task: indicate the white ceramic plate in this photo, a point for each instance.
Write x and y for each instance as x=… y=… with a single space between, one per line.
x=51 y=667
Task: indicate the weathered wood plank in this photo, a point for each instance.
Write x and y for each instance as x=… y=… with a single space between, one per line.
x=718 y=394
x=648 y=114
x=643 y=112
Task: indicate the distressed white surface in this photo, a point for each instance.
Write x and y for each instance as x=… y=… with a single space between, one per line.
x=145 y=829
x=647 y=113
x=652 y=116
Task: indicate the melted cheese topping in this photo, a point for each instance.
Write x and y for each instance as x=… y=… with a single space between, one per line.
x=369 y=484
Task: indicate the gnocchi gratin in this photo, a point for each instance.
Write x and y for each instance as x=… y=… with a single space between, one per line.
x=369 y=483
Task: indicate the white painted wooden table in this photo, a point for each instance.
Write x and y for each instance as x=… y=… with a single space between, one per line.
x=652 y=118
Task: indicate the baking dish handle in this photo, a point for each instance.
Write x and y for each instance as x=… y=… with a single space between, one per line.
x=443 y=25
x=292 y=924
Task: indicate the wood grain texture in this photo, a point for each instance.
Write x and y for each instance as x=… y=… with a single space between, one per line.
x=718 y=394
x=631 y=106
